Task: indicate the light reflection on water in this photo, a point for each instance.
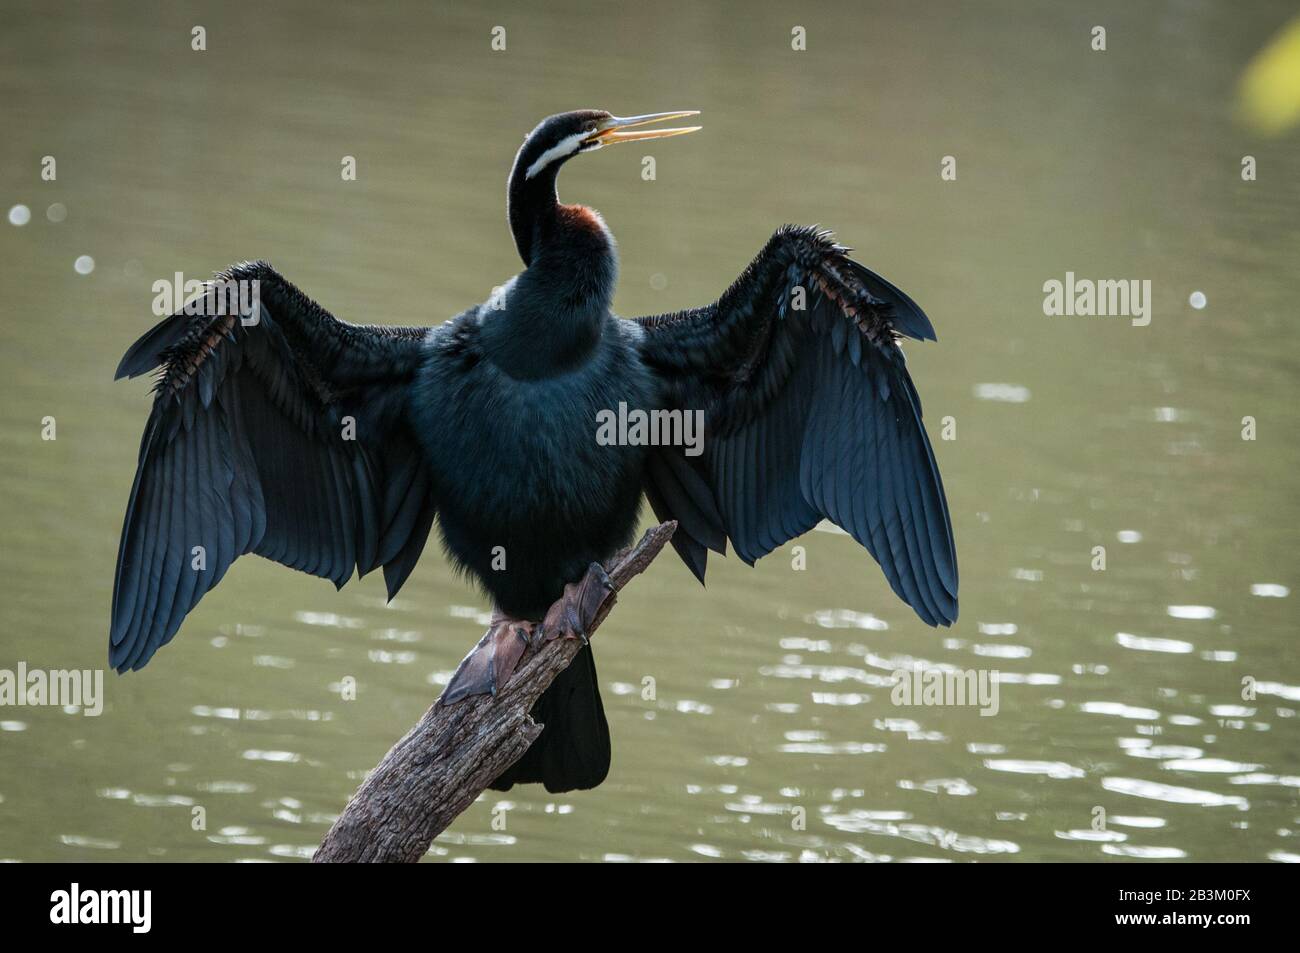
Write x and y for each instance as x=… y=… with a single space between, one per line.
x=752 y=720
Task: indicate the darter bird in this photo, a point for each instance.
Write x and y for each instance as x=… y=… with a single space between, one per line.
x=332 y=448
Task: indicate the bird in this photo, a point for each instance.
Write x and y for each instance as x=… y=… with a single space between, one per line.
x=334 y=448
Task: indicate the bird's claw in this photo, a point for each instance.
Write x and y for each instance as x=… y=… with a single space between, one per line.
x=574 y=614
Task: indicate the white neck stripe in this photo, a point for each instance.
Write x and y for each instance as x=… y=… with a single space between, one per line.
x=562 y=149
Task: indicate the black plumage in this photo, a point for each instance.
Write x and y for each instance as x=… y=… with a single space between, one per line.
x=333 y=448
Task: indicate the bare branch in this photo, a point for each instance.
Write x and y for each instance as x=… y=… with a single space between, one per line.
x=455 y=751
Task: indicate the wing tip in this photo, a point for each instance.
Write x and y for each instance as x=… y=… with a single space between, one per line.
x=121 y=660
x=908 y=318
x=945 y=608
x=146 y=353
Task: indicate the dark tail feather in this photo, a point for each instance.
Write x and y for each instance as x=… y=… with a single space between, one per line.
x=572 y=752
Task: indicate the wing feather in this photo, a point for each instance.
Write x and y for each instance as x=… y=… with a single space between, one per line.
x=811 y=414
x=245 y=452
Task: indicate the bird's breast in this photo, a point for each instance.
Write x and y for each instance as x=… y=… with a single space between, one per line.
x=520 y=468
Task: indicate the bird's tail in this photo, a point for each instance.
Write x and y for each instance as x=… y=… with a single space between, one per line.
x=572 y=752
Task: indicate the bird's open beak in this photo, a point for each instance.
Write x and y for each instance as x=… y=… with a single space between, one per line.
x=619 y=129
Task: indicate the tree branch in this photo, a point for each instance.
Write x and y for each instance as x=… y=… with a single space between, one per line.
x=455 y=751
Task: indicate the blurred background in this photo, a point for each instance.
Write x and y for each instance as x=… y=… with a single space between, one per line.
x=1121 y=689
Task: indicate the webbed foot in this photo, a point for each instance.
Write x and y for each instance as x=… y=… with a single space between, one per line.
x=489 y=665
x=575 y=613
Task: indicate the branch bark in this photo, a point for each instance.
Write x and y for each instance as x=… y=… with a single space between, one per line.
x=455 y=751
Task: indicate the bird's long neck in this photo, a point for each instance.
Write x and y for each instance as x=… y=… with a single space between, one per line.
x=547 y=232
x=560 y=302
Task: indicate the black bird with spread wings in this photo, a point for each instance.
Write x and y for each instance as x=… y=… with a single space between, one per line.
x=334 y=448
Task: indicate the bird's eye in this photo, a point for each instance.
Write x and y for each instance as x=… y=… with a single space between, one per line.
x=591 y=126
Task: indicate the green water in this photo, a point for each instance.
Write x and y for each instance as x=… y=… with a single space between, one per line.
x=771 y=734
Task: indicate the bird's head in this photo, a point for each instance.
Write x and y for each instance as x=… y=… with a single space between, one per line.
x=560 y=137
x=532 y=203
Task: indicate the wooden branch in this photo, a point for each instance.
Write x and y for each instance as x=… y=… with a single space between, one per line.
x=455 y=751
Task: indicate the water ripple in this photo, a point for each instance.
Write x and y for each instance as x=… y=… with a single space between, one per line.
x=860 y=822
x=1120 y=709
x=1171 y=794
x=1208 y=766
x=1148 y=644
x=1050 y=769
x=1191 y=612
x=1144 y=853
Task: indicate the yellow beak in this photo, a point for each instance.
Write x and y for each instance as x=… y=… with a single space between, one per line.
x=619 y=129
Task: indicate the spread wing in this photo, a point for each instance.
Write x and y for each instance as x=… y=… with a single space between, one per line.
x=809 y=414
x=276 y=429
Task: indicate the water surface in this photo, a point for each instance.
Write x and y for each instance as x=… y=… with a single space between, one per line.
x=771 y=734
